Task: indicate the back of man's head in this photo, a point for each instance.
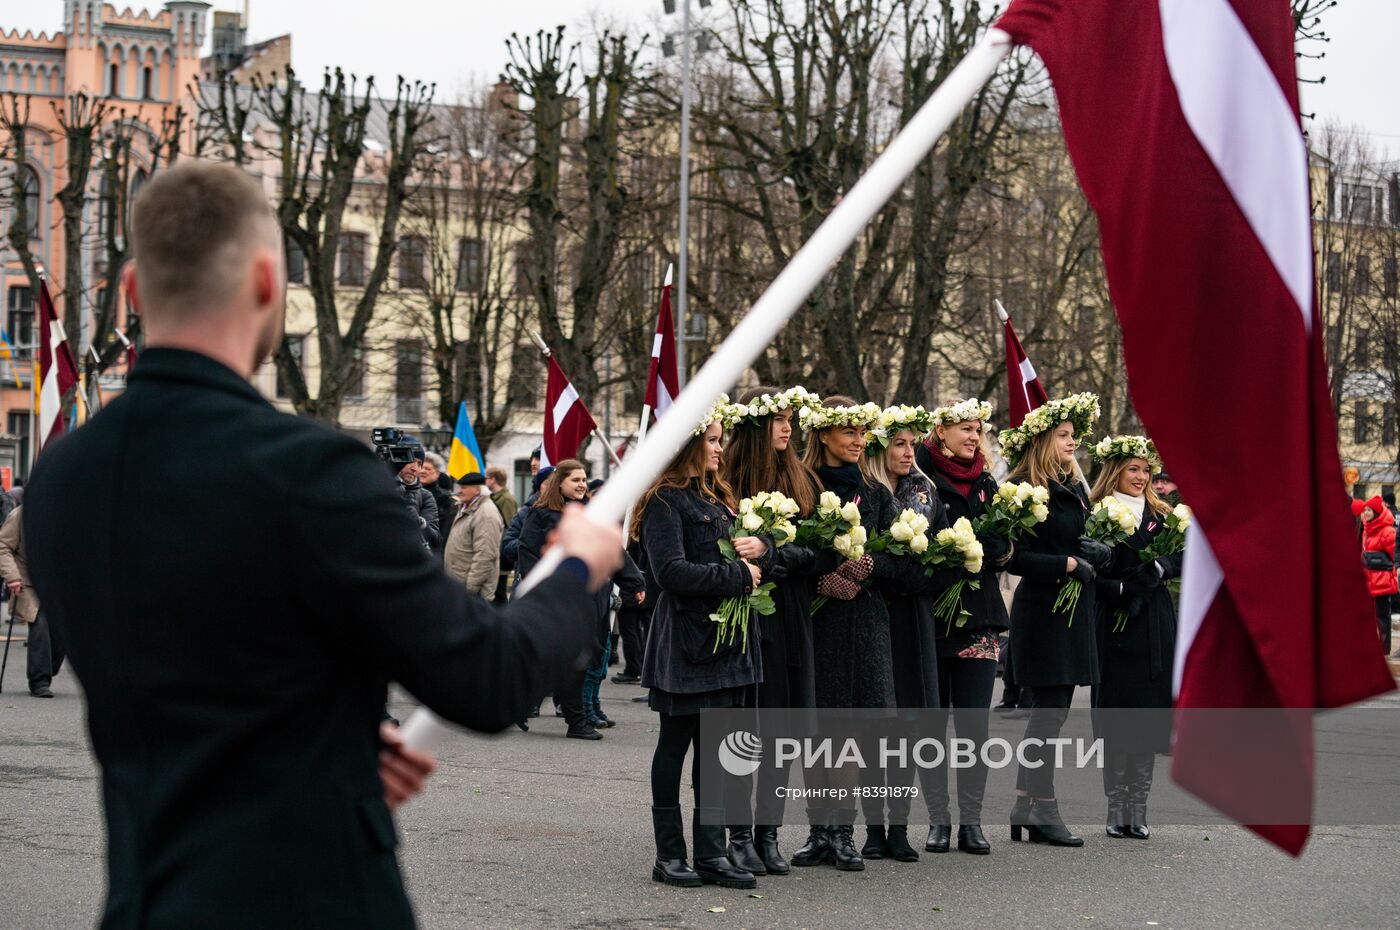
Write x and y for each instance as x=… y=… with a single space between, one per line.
x=194 y=229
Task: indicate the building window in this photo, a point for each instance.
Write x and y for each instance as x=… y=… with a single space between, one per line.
x=352 y=259
x=1362 y=283
x=296 y=345
x=296 y=264
x=114 y=80
x=355 y=387
x=470 y=255
x=1334 y=271
x=408 y=381
x=146 y=82
x=1361 y=422
x=1388 y=424
x=1388 y=277
x=17 y=424
x=525 y=377
x=411 y=255
x=19 y=318
x=33 y=204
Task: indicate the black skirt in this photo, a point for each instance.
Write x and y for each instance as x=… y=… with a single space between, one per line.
x=679 y=705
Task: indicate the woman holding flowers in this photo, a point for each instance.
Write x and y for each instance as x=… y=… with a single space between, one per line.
x=850 y=631
x=889 y=461
x=761 y=457
x=680 y=522
x=1051 y=651
x=1137 y=631
x=955 y=459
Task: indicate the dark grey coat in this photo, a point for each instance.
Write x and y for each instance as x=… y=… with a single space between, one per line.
x=909 y=600
x=1046 y=647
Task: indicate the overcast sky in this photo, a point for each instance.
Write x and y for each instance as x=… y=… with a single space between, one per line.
x=453 y=42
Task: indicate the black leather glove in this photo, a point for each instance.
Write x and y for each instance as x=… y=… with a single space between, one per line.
x=1083 y=571
x=1139 y=585
x=1095 y=552
x=995 y=549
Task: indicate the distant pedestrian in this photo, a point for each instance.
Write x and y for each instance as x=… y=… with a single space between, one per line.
x=472 y=554
x=496 y=483
x=43 y=658
x=433 y=476
x=1378 y=544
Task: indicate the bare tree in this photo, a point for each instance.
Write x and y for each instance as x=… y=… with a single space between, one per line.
x=14 y=123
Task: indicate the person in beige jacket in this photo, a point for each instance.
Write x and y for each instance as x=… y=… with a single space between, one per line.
x=43 y=660
x=473 y=551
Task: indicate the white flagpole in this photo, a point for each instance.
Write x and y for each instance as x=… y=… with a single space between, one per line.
x=772 y=311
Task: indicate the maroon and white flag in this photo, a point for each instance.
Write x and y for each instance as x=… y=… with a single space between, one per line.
x=567 y=422
x=1023 y=388
x=663 y=383
x=58 y=371
x=1181 y=118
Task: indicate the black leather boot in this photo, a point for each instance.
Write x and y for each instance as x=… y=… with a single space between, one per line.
x=843 y=849
x=766 y=839
x=897 y=844
x=1046 y=826
x=1139 y=784
x=742 y=852
x=816 y=850
x=671 y=866
x=1115 y=788
x=939 y=835
x=874 y=847
x=711 y=863
x=972 y=840
x=1020 y=816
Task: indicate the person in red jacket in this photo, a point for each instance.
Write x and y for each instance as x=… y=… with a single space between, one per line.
x=1378 y=547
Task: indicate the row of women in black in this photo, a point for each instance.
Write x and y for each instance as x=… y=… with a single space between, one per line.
x=875 y=646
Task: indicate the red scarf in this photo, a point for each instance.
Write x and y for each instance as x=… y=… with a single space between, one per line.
x=960 y=474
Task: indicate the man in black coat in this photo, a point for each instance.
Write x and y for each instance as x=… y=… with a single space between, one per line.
x=245 y=783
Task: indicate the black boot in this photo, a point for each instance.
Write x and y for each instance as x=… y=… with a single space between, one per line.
x=1139 y=784
x=742 y=852
x=671 y=866
x=1115 y=788
x=816 y=850
x=843 y=849
x=939 y=836
x=1020 y=816
x=1046 y=826
x=874 y=847
x=767 y=843
x=972 y=840
x=711 y=863
x=897 y=845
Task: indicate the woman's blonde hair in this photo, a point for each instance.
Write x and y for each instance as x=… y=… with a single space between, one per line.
x=934 y=443
x=1107 y=483
x=876 y=468
x=1041 y=463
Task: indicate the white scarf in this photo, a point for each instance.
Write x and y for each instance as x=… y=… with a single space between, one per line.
x=1136 y=504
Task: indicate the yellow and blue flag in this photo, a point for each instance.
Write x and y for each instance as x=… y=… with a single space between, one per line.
x=7 y=350
x=466 y=456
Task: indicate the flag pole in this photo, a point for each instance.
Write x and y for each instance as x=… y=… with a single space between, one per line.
x=756 y=331
x=1002 y=315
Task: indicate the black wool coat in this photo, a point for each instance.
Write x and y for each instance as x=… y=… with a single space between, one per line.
x=240 y=783
x=1136 y=663
x=534 y=537
x=909 y=599
x=681 y=531
x=1050 y=648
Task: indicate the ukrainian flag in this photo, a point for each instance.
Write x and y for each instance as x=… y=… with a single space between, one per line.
x=466 y=456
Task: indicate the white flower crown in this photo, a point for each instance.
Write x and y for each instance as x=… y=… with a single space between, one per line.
x=765 y=405
x=962 y=412
x=723 y=412
x=822 y=417
x=1126 y=447
x=892 y=420
x=1081 y=410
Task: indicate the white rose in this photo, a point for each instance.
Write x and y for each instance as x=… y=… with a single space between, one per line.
x=746 y=505
x=752 y=521
x=790 y=507
x=842 y=544
x=856 y=552
x=901 y=532
x=919 y=524
x=918 y=544
x=829 y=501
x=851 y=513
x=1040 y=512
x=945 y=537
x=857 y=535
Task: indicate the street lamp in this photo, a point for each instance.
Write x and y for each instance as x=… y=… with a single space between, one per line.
x=668 y=48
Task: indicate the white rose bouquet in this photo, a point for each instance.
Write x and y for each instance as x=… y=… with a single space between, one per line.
x=954 y=547
x=1110 y=523
x=765 y=514
x=1170 y=541
x=1013 y=510
x=833 y=526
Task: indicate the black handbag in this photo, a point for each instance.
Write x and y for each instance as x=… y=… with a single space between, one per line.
x=1379 y=562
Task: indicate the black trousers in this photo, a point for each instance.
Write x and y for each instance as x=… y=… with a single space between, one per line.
x=502 y=589
x=1383 y=619
x=570 y=701
x=43 y=657
x=1012 y=695
x=965 y=685
x=633 y=624
x=1049 y=711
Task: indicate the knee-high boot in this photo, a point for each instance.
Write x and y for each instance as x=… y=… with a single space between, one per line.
x=1115 y=788
x=1140 y=766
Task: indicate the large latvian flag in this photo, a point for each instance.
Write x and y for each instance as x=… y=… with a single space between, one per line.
x=663 y=383
x=1024 y=390
x=567 y=422
x=1181 y=120
x=58 y=372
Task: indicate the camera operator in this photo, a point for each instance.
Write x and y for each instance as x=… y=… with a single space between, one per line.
x=419 y=499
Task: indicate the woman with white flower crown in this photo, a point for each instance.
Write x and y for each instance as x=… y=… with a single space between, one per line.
x=1137 y=635
x=680 y=521
x=761 y=456
x=955 y=458
x=1051 y=652
x=850 y=634
x=889 y=460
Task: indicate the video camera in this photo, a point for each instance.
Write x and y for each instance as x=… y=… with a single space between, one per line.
x=389 y=443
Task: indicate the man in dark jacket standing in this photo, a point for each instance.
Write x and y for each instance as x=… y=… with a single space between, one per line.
x=245 y=786
x=421 y=504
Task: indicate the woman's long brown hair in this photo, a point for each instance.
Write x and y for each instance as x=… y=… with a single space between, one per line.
x=812 y=455
x=552 y=493
x=684 y=468
x=751 y=464
x=1040 y=464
